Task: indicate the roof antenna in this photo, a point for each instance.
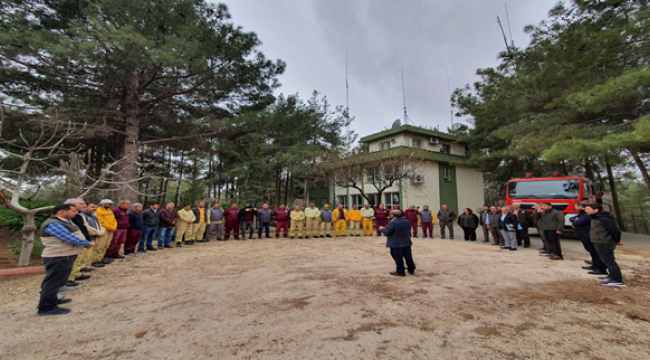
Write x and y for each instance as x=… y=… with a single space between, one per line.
x=347 y=103
x=512 y=39
x=451 y=107
x=406 y=116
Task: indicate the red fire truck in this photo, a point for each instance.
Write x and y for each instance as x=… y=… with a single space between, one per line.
x=563 y=192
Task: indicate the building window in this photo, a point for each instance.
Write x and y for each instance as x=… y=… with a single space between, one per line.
x=323 y=201
x=371 y=174
x=391 y=199
x=357 y=200
x=342 y=200
x=417 y=143
x=384 y=145
x=445 y=148
x=446 y=174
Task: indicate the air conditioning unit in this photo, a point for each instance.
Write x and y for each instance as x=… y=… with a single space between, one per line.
x=392 y=140
x=417 y=179
x=434 y=140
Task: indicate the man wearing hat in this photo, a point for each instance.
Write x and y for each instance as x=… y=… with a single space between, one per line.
x=326 y=221
x=108 y=222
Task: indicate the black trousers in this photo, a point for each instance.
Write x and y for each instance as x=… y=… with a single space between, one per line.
x=399 y=255
x=595 y=258
x=553 y=240
x=470 y=233
x=57 y=271
x=522 y=237
x=606 y=253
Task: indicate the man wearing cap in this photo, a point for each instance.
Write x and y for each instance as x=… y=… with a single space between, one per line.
x=427 y=219
x=198 y=227
x=381 y=218
x=354 y=217
x=86 y=254
x=411 y=214
x=446 y=218
x=166 y=226
x=297 y=219
x=107 y=220
x=264 y=216
x=339 y=218
x=281 y=217
x=133 y=233
x=184 y=225
x=326 y=221
x=367 y=214
x=312 y=214
x=215 y=221
x=151 y=218
x=121 y=213
x=97 y=234
x=63 y=241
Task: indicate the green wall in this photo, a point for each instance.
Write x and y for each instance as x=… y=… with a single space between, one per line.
x=319 y=194
x=448 y=189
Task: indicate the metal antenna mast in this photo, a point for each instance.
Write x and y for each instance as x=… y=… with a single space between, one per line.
x=512 y=39
x=347 y=103
x=505 y=39
x=451 y=108
x=406 y=117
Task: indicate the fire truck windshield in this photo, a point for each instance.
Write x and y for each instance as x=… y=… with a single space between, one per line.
x=544 y=189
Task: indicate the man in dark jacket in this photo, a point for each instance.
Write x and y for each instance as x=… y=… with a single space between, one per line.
x=605 y=236
x=492 y=223
x=411 y=214
x=134 y=232
x=82 y=259
x=151 y=218
x=552 y=223
x=168 y=218
x=246 y=217
x=525 y=220
x=508 y=225
x=582 y=227
x=202 y=216
x=482 y=216
x=446 y=219
x=399 y=243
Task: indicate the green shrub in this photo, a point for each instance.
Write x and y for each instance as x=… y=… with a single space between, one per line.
x=15 y=245
x=12 y=221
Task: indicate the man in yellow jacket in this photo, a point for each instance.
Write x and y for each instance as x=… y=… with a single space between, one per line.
x=312 y=214
x=106 y=220
x=339 y=218
x=354 y=217
x=367 y=213
x=184 y=225
x=297 y=218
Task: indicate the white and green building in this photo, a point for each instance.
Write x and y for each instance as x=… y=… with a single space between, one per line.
x=441 y=179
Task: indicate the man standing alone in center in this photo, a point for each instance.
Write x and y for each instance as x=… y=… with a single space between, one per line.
x=399 y=243
x=367 y=213
x=446 y=218
x=312 y=215
x=297 y=218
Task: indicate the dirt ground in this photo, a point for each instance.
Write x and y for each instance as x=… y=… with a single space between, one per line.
x=333 y=299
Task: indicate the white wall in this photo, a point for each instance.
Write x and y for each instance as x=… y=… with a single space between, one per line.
x=427 y=193
x=469 y=183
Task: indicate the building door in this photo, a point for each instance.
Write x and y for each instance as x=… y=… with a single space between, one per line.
x=448 y=187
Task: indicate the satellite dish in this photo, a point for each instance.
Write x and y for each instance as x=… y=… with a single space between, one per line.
x=459 y=127
x=397 y=123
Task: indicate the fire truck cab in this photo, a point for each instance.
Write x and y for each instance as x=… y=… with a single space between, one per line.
x=563 y=192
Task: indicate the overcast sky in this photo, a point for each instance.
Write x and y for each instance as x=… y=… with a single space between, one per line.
x=427 y=38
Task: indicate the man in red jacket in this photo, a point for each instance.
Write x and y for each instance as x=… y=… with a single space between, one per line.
x=281 y=217
x=411 y=215
x=231 y=216
x=381 y=218
x=119 y=237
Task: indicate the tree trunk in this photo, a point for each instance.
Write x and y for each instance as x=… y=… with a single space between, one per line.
x=642 y=168
x=27 y=233
x=178 y=185
x=286 y=190
x=277 y=188
x=129 y=171
x=612 y=187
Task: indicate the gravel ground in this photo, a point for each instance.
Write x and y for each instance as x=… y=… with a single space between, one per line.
x=333 y=299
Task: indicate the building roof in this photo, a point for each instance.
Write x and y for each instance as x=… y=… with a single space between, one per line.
x=410 y=129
